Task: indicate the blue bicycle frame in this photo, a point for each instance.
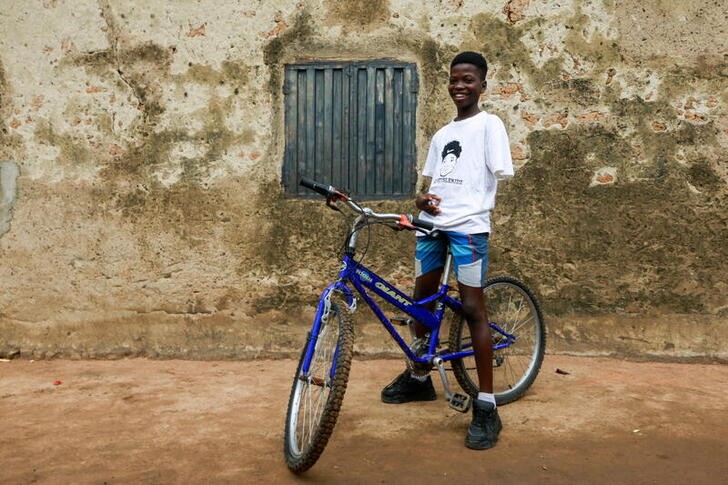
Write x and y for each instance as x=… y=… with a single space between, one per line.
x=323 y=372
x=363 y=279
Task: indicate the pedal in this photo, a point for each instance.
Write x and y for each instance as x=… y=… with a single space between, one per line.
x=459 y=402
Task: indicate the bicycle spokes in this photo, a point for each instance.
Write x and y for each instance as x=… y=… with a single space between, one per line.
x=317 y=392
x=518 y=336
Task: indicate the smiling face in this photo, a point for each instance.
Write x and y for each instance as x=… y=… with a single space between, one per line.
x=465 y=87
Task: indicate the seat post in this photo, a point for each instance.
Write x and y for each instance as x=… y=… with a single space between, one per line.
x=446 y=269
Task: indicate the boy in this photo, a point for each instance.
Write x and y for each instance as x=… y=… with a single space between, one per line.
x=467 y=157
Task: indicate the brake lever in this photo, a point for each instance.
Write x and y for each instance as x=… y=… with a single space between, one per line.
x=335 y=197
x=331 y=203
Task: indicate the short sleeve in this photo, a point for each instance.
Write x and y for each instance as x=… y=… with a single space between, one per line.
x=498 y=149
x=432 y=159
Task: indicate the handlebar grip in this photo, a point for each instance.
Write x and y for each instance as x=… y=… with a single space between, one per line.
x=325 y=190
x=427 y=225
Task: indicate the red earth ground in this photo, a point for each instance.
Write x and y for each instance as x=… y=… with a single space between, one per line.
x=142 y=421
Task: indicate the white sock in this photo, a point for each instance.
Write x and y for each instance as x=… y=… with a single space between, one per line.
x=421 y=378
x=484 y=396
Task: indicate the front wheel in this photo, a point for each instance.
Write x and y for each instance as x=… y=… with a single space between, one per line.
x=519 y=340
x=317 y=394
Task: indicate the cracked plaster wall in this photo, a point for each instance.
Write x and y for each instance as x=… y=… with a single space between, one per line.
x=149 y=217
x=8 y=190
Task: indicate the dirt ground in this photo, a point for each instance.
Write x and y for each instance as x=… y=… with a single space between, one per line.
x=141 y=421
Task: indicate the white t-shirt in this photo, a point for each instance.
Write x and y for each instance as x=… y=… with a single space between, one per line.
x=465 y=161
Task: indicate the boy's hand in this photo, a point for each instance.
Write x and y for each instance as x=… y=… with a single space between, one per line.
x=429 y=203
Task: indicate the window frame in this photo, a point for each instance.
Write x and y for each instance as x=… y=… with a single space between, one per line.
x=372 y=152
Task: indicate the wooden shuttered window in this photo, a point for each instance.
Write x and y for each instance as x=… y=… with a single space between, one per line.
x=351 y=125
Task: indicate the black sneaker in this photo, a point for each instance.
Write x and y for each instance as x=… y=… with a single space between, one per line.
x=406 y=388
x=484 y=429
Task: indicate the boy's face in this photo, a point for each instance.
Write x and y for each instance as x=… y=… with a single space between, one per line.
x=465 y=86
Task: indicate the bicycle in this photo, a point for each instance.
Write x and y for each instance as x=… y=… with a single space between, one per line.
x=515 y=318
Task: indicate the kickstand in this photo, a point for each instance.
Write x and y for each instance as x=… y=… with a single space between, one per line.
x=458 y=402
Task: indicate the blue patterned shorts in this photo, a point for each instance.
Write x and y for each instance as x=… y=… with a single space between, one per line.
x=469 y=251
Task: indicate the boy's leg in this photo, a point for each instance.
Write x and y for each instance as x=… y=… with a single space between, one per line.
x=426 y=285
x=486 y=424
x=429 y=261
x=477 y=317
x=471 y=259
x=409 y=385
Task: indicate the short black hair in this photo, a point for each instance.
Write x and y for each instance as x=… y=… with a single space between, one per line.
x=474 y=58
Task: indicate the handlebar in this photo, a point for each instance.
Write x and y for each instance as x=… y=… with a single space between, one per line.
x=332 y=194
x=416 y=221
x=325 y=190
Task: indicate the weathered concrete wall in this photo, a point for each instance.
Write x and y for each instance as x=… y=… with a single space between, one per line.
x=147 y=216
x=8 y=190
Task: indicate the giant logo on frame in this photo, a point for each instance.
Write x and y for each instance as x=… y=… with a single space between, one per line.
x=392 y=293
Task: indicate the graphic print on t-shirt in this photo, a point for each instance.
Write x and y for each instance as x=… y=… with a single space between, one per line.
x=450 y=155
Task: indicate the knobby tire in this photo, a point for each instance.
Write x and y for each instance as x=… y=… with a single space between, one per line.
x=310 y=452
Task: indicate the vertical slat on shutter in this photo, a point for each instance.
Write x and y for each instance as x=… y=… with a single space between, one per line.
x=408 y=144
x=319 y=102
x=327 y=128
x=379 y=133
x=310 y=163
x=354 y=129
x=345 y=114
x=413 y=100
x=301 y=139
x=336 y=128
x=370 y=185
x=361 y=167
x=291 y=125
x=389 y=177
x=400 y=187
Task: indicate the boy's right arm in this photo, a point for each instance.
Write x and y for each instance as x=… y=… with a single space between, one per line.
x=428 y=203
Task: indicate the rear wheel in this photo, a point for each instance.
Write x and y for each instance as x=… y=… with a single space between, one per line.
x=519 y=340
x=316 y=395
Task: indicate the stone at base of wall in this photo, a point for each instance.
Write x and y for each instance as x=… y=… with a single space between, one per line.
x=676 y=337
